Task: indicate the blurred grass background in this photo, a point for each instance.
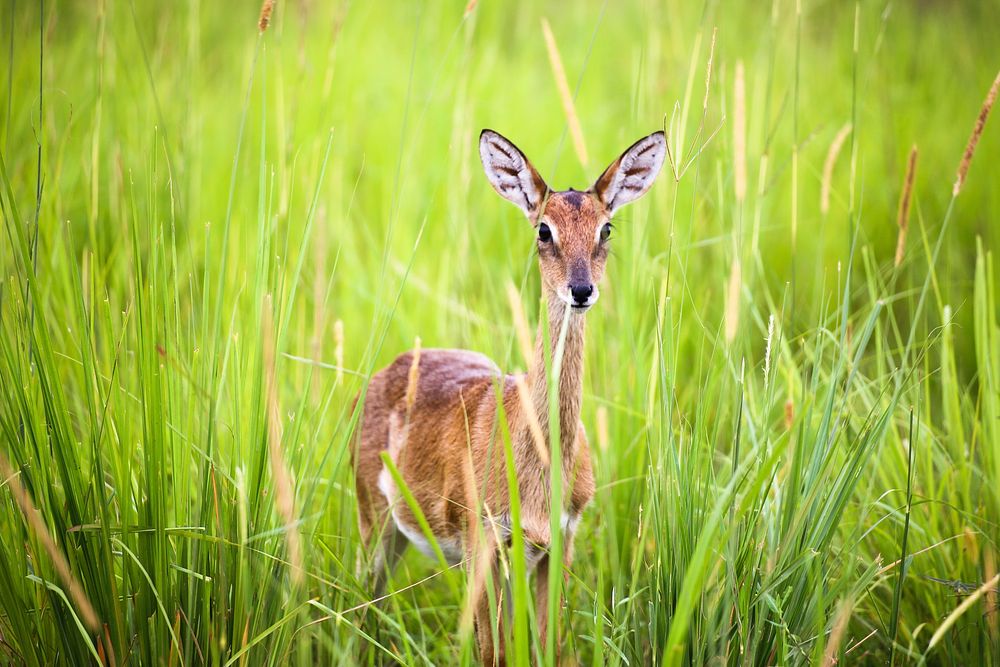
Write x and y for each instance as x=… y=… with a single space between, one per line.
x=828 y=490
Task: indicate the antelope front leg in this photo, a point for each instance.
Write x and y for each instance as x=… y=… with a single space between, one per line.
x=487 y=567
x=542 y=591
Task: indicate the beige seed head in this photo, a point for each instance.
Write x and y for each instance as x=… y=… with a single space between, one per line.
x=903 y=215
x=840 y=624
x=265 y=15
x=829 y=164
x=708 y=71
x=977 y=133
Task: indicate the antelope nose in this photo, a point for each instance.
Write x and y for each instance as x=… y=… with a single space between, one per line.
x=581 y=293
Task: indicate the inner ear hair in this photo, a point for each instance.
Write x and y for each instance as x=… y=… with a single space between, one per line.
x=511 y=174
x=633 y=173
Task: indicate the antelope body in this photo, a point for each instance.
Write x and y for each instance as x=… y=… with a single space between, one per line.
x=437 y=417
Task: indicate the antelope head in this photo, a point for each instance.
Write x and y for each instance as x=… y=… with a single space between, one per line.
x=573 y=226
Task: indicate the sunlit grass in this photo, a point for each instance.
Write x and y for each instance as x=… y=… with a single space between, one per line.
x=796 y=435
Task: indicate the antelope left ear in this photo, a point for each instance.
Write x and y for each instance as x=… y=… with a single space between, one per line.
x=632 y=174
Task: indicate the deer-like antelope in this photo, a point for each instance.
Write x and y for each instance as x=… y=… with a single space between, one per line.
x=437 y=419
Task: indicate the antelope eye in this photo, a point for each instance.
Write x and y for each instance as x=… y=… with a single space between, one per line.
x=544 y=233
x=606 y=231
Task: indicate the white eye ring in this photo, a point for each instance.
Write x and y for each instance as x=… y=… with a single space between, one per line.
x=552 y=230
x=600 y=228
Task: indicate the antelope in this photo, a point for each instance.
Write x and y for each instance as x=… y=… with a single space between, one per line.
x=434 y=411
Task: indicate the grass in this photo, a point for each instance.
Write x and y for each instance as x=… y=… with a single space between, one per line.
x=213 y=236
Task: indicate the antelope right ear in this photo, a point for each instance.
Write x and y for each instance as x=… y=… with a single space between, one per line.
x=633 y=173
x=511 y=174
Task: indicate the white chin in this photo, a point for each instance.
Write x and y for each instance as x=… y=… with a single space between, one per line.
x=573 y=306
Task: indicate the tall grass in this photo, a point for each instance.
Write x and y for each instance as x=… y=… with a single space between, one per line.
x=215 y=233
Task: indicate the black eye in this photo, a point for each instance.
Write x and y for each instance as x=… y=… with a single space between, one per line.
x=606 y=231
x=544 y=233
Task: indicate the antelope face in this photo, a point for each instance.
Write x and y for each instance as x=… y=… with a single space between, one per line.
x=573 y=236
x=573 y=227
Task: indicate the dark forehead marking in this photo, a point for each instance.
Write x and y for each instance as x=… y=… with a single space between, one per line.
x=573 y=197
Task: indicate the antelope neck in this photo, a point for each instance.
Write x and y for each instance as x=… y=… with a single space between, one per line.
x=570 y=376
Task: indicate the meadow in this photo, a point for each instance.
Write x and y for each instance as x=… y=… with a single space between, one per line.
x=215 y=233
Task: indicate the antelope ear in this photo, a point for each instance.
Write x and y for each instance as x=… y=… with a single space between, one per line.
x=632 y=173
x=511 y=174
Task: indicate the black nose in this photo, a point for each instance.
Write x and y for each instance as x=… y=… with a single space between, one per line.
x=581 y=293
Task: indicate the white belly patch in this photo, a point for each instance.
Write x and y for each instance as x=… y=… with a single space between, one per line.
x=451 y=548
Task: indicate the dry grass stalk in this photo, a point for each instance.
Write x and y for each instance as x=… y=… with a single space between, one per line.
x=482 y=564
x=903 y=215
x=284 y=492
x=708 y=71
x=564 y=93
x=520 y=322
x=966 y=604
x=41 y=531
x=977 y=133
x=767 y=349
x=602 y=428
x=413 y=379
x=789 y=414
x=472 y=525
x=991 y=604
x=733 y=300
x=840 y=624
x=338 y=349
x=829 y=164
x=740 y=134
x=534 y=426
x=265 y=15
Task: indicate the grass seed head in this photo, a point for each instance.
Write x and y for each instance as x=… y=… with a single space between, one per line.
x=977 y=133
x=903 y=214
x=829 y=164
x=708 y=71
x=265 y=15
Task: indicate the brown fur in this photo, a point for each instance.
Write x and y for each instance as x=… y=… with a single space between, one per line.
x=446 y=444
